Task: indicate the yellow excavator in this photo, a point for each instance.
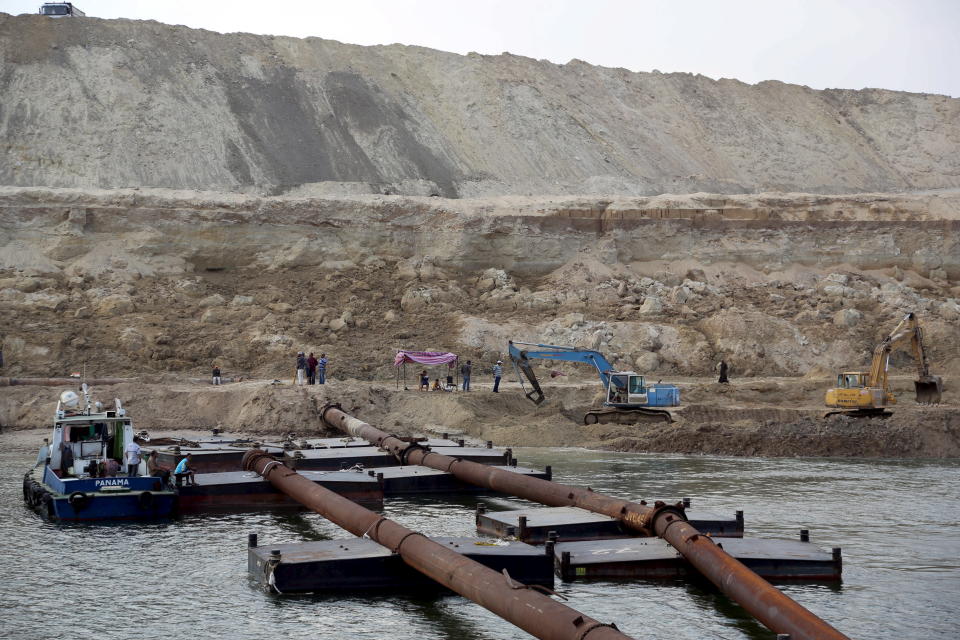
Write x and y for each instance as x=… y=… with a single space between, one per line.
x=867 y=393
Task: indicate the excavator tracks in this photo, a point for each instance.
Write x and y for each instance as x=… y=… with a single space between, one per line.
x=627 y=416
x=861 y=413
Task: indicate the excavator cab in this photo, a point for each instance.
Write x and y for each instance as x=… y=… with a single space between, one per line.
x=852 y=380
x=626 y=388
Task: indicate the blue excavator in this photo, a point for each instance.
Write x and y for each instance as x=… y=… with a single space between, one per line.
x=629 y=399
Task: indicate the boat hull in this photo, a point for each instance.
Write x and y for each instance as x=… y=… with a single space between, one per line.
x=97 y=499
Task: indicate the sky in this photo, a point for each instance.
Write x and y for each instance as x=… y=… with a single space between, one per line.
x=909 y=45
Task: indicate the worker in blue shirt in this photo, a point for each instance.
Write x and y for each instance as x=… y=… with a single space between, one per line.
x=184 y=469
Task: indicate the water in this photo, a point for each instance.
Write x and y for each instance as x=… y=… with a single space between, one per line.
x=897 y=522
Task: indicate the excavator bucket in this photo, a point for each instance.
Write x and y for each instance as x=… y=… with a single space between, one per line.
x=929 y=389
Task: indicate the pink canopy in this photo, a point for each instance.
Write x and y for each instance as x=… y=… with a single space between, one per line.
x=423 y=357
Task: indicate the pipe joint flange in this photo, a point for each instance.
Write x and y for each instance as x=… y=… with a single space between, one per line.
x=251 y=457
x=413 y=446
x=327 y=407
x=669 y=513
x=404 y=539
x=590 y=628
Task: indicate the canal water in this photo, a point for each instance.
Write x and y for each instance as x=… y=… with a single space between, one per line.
x=897 y=522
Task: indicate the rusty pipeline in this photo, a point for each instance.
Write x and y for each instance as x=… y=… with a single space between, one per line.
x=766 y=603
x=61 y=382
x=534 y=612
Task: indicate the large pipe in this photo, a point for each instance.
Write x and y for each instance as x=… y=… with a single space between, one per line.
x=61 y=382
x=761 y=599
x=535 y=613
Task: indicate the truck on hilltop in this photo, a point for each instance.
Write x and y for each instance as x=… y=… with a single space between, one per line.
x=60 y=10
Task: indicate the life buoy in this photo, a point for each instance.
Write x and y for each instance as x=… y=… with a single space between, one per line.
x=79 y=500
x=145 y=500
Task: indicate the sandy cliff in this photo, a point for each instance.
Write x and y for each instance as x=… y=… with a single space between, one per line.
x=118 y=103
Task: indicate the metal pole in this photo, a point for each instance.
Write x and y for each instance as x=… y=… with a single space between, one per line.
x=766 y=603
x=535 y=613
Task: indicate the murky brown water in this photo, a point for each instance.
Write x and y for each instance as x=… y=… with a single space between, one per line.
x=897 y=522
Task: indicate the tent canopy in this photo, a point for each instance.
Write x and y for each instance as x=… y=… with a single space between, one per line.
x=424 y=357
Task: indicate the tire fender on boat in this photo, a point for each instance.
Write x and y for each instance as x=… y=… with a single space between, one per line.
x=145 y=500
x=79 y=500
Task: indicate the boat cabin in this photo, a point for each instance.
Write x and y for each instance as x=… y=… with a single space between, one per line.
x=84 y=439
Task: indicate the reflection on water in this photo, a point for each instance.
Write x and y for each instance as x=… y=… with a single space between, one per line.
x=897 y=522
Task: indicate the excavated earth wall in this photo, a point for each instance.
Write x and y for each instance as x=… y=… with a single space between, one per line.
x=118 y=103
x=150 y=280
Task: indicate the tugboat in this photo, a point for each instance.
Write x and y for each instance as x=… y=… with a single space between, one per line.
x=77 y=478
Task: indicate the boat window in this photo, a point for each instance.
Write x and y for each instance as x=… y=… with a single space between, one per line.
x=636 y=385
x=55 y=10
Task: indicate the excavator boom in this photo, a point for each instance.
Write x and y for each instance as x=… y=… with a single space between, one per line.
x=521 y=362
x=628 y=397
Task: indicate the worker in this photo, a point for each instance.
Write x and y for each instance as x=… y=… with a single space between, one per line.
x=110 y=468
x=322 y=369
x=43 y=454
x=497 y=374
x=132 y=454
x=216 y=374
x=465 y=371
x=184 y=469
x=722 y=368
x=301 y=367
x=424 y=381
x=312 y=363
x=155 y=470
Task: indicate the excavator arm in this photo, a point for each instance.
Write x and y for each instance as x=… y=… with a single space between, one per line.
x=928 y=387
x=521 y=363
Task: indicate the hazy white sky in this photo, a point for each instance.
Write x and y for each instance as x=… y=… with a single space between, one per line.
x=912 y=45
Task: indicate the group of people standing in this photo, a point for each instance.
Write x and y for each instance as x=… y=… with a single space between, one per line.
x=466 y=373
x=311 y=370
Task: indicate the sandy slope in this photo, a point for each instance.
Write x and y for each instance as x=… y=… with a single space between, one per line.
x=121 y=103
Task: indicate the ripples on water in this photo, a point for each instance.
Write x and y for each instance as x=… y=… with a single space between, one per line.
x=897 y=522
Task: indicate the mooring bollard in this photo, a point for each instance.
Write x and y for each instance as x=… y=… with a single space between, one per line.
x=461 y=442
x=565 y=564
x=804 y=535
x=252 y=540
x=445 y=435
x=686 y=503
x=489 y=444
x=548 y=471
x=522 y=526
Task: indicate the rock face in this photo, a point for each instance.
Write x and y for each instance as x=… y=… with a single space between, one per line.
x=119 y=103
x=760 y=281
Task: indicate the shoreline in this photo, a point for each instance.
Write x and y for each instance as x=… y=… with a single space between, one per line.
x=722 y=420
